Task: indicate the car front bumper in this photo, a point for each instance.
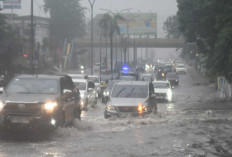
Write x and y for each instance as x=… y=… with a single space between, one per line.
x=38 y=120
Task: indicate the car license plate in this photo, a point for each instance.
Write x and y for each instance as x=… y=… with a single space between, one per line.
x=126 y=108
x=20 y=120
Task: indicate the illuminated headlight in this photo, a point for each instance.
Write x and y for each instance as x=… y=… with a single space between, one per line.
x=110 y=108
x=1 y=105
x=49 y=107
x=169 y=95
x=163 y=74
x=82 y=67
x=176 y=80
x=82 y=96
x=106 y=93
x=142 y=108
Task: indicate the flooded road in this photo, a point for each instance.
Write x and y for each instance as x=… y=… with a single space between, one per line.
x=195 y=124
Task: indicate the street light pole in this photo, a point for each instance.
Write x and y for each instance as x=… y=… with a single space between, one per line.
x=91 y=58
x=32 y=37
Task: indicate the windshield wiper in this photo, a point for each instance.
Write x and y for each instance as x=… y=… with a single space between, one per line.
x=120 y=92
x=130 y=92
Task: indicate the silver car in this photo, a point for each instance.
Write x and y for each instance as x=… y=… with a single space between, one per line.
x=131 y=97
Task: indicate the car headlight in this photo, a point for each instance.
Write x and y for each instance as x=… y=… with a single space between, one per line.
x=169 y=92
x=50 y=106
x=110 y=108
x=106 y=93
x=169 y=95
x=82 y=96
x=1 y=105
x=142 y=108
x=176 y=80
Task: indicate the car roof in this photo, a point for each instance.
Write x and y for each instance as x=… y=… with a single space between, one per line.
x=161 y=82
x=41 y=76
x=79 y=80
x=147 y=75
x=93 y=76
x=76 y=75
x=131 y=83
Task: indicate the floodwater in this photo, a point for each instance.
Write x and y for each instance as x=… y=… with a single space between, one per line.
x=195 y=124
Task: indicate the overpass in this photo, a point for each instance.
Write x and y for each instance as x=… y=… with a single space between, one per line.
x=138 y=42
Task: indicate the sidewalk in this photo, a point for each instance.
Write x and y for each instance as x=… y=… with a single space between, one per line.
x=197 y=78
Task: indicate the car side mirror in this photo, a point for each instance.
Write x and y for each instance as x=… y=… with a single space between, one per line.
x=1 y=90
x=67 y=91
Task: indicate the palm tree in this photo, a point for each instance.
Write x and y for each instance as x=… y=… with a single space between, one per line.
x=109 y=24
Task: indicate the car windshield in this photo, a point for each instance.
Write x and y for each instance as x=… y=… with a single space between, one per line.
x=94 y=79
x=170 y=75
x=33 y=86
x=180 y=66
x=130 y=91
x=80 y=85
x=161 y=85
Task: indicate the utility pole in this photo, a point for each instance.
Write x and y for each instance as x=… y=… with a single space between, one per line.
x=91 y=58
x=100 y=51
x=32 y=38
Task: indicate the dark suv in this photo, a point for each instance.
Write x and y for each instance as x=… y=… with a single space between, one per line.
x=40 y=100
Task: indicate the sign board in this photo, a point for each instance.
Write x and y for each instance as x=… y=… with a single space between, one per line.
x=138 y=23
x=12 y=4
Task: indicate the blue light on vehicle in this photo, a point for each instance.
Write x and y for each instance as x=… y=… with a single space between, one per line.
x=125 y=68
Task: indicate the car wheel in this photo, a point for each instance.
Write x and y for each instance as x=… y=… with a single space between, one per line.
x=103 y=100
x=106 y=116
x=78 y=113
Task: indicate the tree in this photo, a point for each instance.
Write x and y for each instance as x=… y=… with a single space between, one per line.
x=67 y=20
x=171 y=26
x=110 y=22
x=208 y=23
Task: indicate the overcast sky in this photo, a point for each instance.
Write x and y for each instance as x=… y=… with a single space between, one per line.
x=163 y=8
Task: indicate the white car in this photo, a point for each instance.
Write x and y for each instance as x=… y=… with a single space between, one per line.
x=163 y=90
x=181 y=68
x=87 y=92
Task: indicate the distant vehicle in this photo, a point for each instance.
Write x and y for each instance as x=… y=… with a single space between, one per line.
x=160 y=73
x=163 y=90
x=133 y=97
x=37 y=101
x=147 y=77
x=129 y=73
x=88 y=96
x=181 y=69
x=78 y=76
x=128 y=78
x=105 y=69
x=173 y=78
x=140 y=69
x=97 y=81
x=107 y=91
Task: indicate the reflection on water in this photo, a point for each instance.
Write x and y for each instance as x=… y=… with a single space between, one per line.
x=139 y=137
x=170 y=107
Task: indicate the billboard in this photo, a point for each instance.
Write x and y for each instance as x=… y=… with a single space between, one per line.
x=12 y=4
x=138 y=23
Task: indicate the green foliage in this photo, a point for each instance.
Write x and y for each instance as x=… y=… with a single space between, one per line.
x=67 y=19
x=109 y=24
x=208 y=23
x=171 y=26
